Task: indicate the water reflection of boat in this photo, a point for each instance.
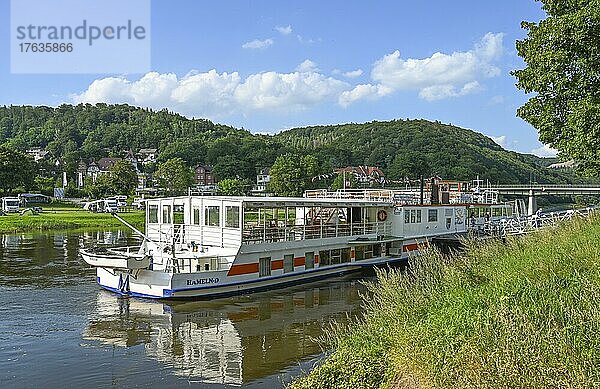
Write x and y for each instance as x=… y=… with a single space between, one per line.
x=226 y=341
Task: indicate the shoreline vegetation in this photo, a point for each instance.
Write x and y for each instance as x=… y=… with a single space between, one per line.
x=520 y=314
x=66 y=217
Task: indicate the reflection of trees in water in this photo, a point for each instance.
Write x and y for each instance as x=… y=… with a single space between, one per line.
x=50 y=259
x=227 y=341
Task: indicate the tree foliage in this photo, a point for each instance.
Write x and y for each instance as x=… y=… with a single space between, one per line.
x=234 y=187
x=17 y=169
x=174 y=176
x=402 y=148
x=123 y=177
x=292 y=174
x=338 y=181
x=563 y=72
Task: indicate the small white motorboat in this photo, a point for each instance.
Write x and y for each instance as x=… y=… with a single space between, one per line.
x=118 y=258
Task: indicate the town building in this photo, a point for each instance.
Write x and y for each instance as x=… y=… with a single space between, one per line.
x=37 y=153
x=262 y=180
x=146 y=156
x=203 y=175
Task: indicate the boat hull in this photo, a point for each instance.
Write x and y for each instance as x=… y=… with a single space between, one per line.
x=160 y=285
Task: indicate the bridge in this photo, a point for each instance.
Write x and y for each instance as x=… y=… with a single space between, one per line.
x=543 y=189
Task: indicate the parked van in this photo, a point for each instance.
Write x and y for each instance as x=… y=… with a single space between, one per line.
x=10 y=204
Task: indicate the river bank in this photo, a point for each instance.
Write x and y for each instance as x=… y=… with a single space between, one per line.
x=520 y=314
x=66 y=218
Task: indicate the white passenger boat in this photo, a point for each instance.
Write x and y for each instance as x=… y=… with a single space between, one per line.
x=203 y=246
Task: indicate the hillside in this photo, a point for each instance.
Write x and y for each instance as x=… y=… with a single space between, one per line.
x=403 y=148
x=409 y=148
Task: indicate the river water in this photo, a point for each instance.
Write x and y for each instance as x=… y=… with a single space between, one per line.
x=59 y=329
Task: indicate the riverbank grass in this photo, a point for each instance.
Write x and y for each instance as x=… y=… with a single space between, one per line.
x=521 y=314
x=66 y=219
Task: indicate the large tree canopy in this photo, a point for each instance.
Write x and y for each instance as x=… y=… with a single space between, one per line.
x=17 y=169
x=562 y=54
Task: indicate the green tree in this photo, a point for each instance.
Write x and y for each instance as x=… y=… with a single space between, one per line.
x=123 y=178
x=174 y=176
x=17 y=170
x=292 y=174
x=338 y=182
x=563 y=68
x=234 y=187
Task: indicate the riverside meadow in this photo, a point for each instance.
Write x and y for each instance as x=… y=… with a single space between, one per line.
x=523 y=313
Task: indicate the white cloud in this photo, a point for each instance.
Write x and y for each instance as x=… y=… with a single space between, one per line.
x=500 y=140
x=258 y=44
x=545 y=151
x=362 y=92
x=287 y=30
x=350 y=74
x=438 y=92
x=307 y=66
x=441 y=75
x=213 y=94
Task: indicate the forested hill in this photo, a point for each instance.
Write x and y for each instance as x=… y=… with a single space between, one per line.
x=409 y=148
x=403 y=148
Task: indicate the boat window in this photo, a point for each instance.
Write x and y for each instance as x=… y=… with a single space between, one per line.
x=412 y=216
x=345 y=255
x=232 y=216
x=309 y=260
x=432 y=215
x=153 y=214
x=178 y=217
x=288 y=263
x=166 y=214
x=196 y=215
x=264 y=266
x=211 y=216
x=324 y=258
x=335 y=256
x=376 y=250
x=363 y=252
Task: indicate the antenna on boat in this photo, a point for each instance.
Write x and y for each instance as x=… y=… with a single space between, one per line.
x=140 y=233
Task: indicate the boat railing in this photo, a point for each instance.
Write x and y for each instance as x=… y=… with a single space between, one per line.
x=409 y=196
x=291 y=232
x=194 y=265
x=526 y=224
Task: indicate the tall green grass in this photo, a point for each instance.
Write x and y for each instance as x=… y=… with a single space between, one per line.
x=525 y=314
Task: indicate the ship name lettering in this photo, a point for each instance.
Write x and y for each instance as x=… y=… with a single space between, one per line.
x=203 y=281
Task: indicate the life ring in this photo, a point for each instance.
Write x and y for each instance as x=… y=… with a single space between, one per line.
x=382 y=215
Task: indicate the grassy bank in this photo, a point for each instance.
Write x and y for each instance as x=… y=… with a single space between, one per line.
x=524 y=314
x=66 y=219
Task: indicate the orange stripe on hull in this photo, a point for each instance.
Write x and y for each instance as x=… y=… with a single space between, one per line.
x=299 y=261
x=277 y=264
x=246 y=268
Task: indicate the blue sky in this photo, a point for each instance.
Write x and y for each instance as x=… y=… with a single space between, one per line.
x=272 y=65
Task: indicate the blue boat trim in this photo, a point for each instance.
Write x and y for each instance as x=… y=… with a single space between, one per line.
x=309 y=276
